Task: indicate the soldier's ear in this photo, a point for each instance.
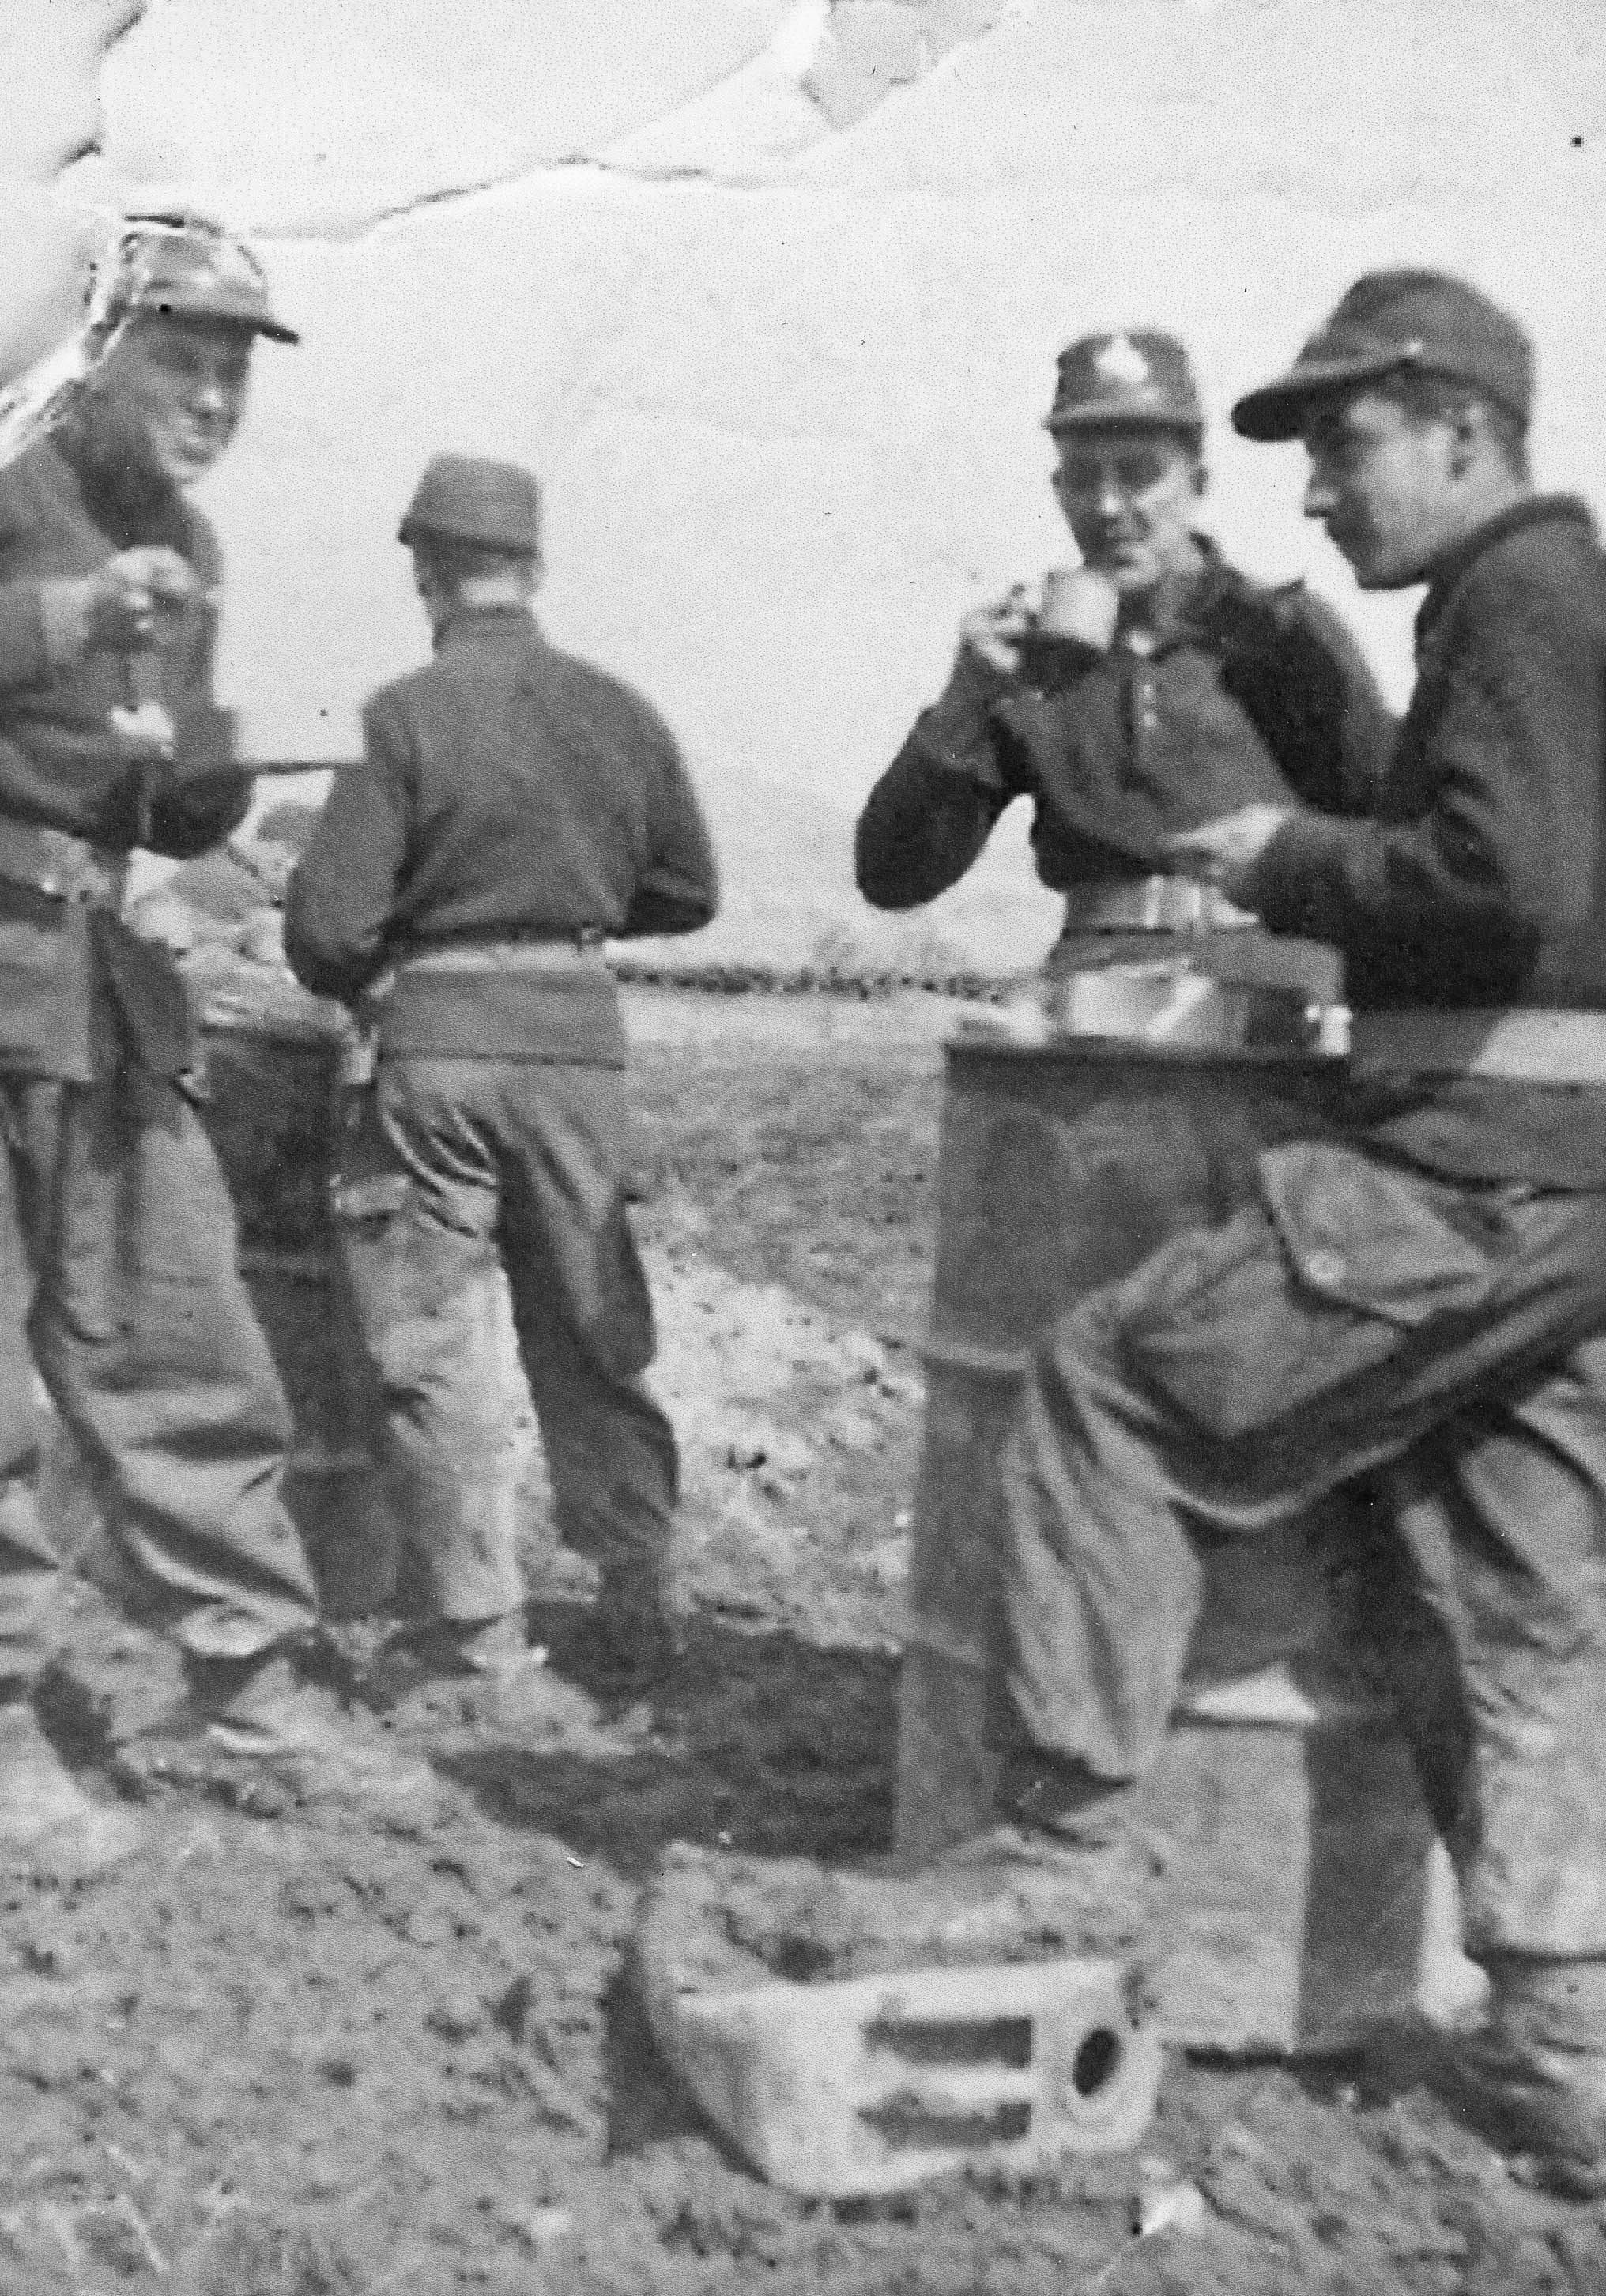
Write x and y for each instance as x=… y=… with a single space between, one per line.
x=1471 y=437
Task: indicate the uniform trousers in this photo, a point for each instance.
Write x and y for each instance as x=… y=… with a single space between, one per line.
x=1356 y=1326
x=453 y=1172
x=118 y=1279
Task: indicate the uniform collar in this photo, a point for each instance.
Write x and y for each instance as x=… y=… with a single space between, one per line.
x=1533 y=510
x=1185 y=603
x=477 y=625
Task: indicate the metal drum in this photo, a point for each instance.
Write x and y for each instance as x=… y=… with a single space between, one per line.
x=1060 y=1167
x=273 y=1060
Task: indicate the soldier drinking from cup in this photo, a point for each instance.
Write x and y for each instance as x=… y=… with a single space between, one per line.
x=1151 y=688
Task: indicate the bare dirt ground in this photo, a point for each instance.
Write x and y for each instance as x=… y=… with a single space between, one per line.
x=323 y=2048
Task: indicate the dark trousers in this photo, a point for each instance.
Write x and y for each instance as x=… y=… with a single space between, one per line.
x=454 y=1171
x=118 y=1279
x=1439 y=1343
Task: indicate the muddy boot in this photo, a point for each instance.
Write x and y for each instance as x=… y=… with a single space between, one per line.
x=1081 y=1839
x=1059 y=1801
x=48 y=1825
x=634 y=1644
x=1533 y=2081
x=492 y=1655
x=264 y=1712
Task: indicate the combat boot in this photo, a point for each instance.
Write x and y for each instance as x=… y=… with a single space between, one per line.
x=49 y=1827
x=1057 y=1800
x=634 y=1643
x=1533 y=2081
x=264 y=1712
x=493 y=1655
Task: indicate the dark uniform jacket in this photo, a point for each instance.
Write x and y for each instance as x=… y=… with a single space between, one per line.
x=1479 y=878
x=508 y=792
x=77 y=989
x=1251 y=695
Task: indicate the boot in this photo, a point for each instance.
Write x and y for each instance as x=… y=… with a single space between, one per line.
x=264 y=1711
x=1047 y=1796
x=48 y=1825
x=635 y=1641
x=494 y=1655
x=1533 y=2081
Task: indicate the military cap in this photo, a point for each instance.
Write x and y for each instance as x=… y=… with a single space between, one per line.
x=466 y=498
x=1140 y=377
x=189 y=266
x=1399 y=323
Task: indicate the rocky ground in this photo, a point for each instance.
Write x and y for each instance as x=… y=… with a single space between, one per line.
x=307 y=2046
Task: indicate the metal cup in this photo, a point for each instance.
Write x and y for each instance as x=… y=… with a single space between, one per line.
x=1077 y=604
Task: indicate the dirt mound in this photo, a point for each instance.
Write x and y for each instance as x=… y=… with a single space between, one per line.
x=720 y=1922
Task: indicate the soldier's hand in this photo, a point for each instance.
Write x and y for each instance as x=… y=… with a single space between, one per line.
x=995 y=631
x=136 y=600
x=1223 y=852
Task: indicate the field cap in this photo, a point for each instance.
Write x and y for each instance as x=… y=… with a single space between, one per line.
x=1137 y=377
x=1398 y=323
x=189 y=266
x=466 y=498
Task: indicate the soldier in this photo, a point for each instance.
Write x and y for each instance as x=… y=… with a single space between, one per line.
x=116 y=1232
x=516 y=807
x=1418 y=1296
x=1158 y=688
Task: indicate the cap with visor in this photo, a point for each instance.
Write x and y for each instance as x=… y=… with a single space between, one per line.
x=1394 y=323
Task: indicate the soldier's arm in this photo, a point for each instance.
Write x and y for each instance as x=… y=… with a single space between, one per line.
x=929 y=816
x=677 y=889
x=342 y=894
x=1506 y=846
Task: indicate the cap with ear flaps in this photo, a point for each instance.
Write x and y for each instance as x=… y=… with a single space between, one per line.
x=187 y=267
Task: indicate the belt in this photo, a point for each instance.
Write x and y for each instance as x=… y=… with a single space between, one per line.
x=1532 y=1044
x=1151 y=905
x=529 y=953
x=68 y=868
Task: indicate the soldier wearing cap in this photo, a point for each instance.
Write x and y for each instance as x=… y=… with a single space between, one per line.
x=116 y=1231
x=1155 y=688
x=1416 y=1305
x=517 y=807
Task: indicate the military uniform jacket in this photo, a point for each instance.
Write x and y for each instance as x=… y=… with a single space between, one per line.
x=78 y=991
x=508 y=794
x=1252 y=694
x=1478 y=878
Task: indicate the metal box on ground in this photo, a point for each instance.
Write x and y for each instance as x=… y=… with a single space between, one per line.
x=858 y=2032
x=1308 y=1897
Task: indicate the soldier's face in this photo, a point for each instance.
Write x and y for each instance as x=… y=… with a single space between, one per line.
x=1381 y=481
x=1129 y=496
x=172 y=394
